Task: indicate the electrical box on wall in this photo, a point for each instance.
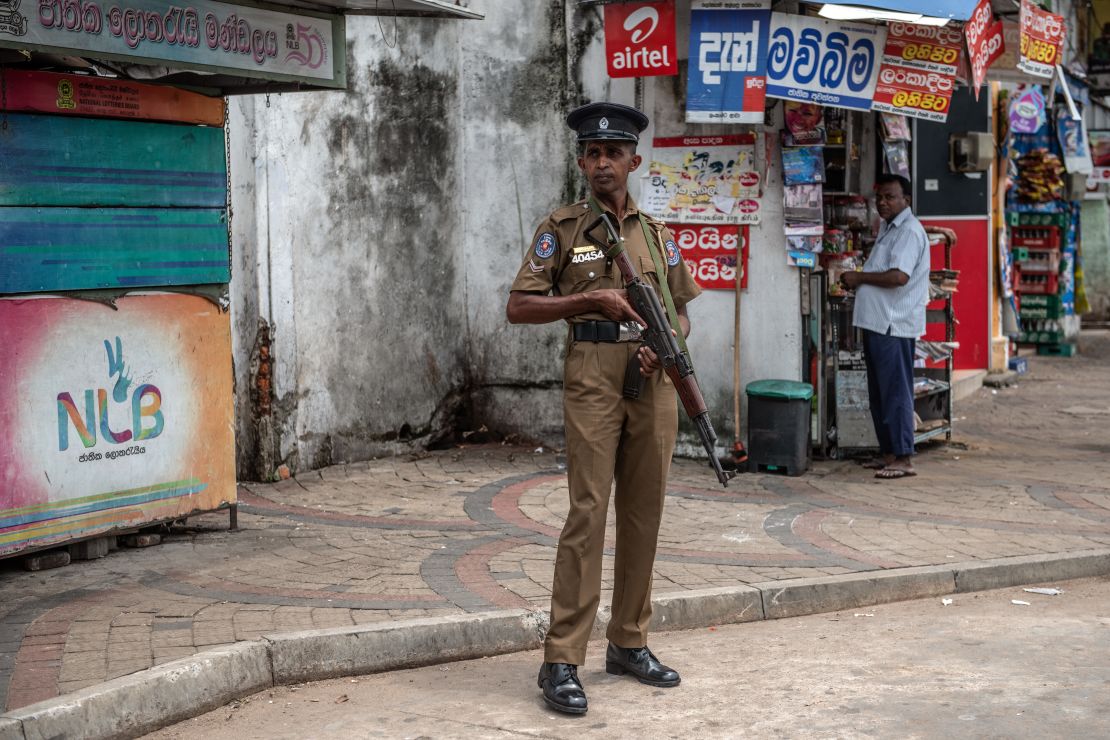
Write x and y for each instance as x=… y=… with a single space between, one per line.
x=937 y=189
x=971 y=151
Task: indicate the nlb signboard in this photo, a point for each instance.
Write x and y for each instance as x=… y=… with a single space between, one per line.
x=640 y=39
x=113 y=419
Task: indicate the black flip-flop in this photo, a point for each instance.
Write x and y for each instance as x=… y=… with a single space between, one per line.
x=874 y=465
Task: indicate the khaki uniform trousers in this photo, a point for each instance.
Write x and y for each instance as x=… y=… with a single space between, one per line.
x=609 y=436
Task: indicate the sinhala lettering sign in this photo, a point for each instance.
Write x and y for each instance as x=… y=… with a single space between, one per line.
x=728 y=53
x=201 y=34
x=824 y=62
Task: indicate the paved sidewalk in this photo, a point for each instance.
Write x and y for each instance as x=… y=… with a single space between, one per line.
x=474 y=529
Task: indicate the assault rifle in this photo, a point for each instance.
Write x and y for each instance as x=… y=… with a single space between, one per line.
x=658 y=336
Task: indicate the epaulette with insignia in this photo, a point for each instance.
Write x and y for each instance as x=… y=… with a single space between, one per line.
x=568 y=212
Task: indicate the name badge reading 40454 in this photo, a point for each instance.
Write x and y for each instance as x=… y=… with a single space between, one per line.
x=672 y=253
x=545 y=245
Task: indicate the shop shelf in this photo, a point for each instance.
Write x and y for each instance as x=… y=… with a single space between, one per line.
x=929 y=433
x=930 y=391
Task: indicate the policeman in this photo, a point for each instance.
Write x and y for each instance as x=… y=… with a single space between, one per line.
x=608 y=436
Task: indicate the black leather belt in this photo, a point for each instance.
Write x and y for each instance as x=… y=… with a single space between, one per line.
x=606 y=331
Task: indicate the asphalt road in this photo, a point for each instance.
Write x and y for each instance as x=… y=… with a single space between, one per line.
x=981 y=667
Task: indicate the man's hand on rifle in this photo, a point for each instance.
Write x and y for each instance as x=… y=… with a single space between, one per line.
x=649 y=362
x=613 y=302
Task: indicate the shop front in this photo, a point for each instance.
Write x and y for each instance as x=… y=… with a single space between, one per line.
x=778 y=130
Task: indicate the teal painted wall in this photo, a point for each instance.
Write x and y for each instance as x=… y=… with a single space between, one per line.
x=67 y=161
x=64 y=249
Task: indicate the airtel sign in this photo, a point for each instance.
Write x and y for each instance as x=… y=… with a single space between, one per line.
x=640 y=39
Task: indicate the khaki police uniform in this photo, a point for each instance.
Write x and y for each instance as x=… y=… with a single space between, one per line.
x=608 y=436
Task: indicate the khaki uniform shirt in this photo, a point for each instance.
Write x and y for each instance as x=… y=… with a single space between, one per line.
x=563 y=262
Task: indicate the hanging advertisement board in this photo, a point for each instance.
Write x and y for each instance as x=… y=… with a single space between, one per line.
x=203 y=35
x=711 y=253
x=985 y=42
x=640 y=39
x=1072 y=135
x=1042 y=40
x=703 y=180
x=728 y=52
x=824 y=62
x=1100 y=156
x=918 y=71
x=1005 y=68
x=113 y=418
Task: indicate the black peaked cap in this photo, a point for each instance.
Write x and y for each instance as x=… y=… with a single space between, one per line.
x=607 y=121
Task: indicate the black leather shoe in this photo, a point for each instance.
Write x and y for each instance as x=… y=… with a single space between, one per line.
x=561 y=690
x=642 y=664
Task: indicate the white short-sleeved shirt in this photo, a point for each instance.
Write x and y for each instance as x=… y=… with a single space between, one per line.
x=899 y=311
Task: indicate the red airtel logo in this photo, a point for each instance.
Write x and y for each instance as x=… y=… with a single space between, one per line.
x=637 y=18
x=640 y=39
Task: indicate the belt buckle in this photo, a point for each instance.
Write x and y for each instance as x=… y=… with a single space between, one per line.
x=629 y=332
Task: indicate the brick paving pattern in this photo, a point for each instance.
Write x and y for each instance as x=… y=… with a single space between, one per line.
x=475 y=529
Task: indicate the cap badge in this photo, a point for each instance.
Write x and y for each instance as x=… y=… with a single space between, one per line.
x=603 y=123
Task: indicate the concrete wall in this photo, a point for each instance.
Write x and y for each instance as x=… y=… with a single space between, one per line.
x=376 y=233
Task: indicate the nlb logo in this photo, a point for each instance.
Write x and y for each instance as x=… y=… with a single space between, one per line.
x=144 y=402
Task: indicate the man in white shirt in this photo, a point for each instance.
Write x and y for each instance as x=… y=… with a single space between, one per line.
x=891 y=294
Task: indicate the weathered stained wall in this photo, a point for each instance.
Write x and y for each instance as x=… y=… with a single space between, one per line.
x=356 y=248
x=358 y=217
x=377 y=232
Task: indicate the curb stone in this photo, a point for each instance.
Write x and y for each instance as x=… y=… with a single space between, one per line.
x=10 y=729
x=702 y=608
x=801 y=596
x=150 y=699
x=345 y=651
x=1027 y=569
x=145 y=701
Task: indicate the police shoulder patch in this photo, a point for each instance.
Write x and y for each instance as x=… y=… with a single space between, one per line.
x=672 y=253
x=545 y=245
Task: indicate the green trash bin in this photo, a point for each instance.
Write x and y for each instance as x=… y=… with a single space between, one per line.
x=778 y=426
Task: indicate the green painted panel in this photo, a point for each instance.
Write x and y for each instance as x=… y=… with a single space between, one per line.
x=62 y=249
x=66 y=161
